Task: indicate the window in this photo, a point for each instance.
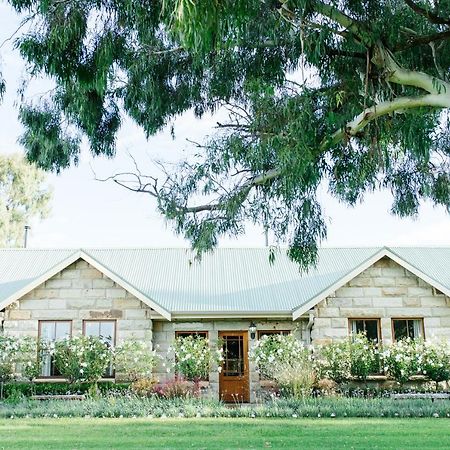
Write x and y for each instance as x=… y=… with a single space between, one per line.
x=262 y=333
x=183 y=334
x=371 y=328
x=52 y=331
x=407 y=328
x=106 y=331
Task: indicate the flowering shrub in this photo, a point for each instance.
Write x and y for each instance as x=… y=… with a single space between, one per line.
x=364 y=356
x=134 y=359
x=332 y=361
x=28 y=358
x=22 y=352
x=355 y=357
x=275 y=349
x=193 y=358
x=287 y=361
x=401 y=359
x=82 y=358
x=9 y=352
x=435 y=359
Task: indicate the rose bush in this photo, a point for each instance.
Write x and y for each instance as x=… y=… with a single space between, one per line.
x=9 y=351
x=401 y=359
x=364 y=356
x=435 y=359
x=193 y=357
x=356 y=357
x=332 y=361
x=82 y=358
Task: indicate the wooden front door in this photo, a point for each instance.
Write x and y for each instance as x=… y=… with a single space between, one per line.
x=234 y=378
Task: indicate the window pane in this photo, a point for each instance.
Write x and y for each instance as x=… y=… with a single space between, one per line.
x=48 y=331
x=107 y=332
x=400 y=329
x=410 y=326
x=233 y=364
x=418 y=328
x=92 y=328
x=62 y=330
x=358 y=326
x=372 y=330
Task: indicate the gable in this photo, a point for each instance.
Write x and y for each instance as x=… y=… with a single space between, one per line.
x=26 y=274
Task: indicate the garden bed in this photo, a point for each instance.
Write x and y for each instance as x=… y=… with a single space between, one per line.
x=154 y=407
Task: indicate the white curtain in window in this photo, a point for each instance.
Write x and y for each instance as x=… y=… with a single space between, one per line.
x=417 y=329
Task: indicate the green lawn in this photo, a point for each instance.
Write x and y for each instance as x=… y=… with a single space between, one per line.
x=224 y=433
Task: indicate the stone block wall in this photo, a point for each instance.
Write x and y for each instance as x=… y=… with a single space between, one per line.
x=80 y=292
x=384 y=291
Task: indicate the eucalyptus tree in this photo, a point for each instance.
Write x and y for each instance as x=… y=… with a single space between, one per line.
x=352 y=95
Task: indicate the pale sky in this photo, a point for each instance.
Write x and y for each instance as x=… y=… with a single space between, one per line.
x=88 y=213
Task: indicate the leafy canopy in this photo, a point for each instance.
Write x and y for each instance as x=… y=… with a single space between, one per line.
x=349 y=94
x=23 y=196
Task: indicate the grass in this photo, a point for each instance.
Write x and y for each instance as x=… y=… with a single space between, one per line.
x=224 y=433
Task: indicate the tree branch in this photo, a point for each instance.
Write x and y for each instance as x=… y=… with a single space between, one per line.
x=422 y=40
x=383 y=58
x=430 y=16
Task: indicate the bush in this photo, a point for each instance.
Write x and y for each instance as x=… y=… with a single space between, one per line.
x=332 y=361
x=435 y=356
x=287 y=361
x=401 y=360
x=82 y=358
x=143 y=387
x=134 y=359
x=354 y=357
x=193 y=358
x=364 y=357
x=9 y=353
x=178 y=387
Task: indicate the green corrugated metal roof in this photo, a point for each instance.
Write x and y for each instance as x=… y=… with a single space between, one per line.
x=225 y=281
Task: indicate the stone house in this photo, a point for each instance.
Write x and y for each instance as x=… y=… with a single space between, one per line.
x=233 y=294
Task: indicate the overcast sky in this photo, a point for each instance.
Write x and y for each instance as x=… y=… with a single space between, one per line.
x=88 y=213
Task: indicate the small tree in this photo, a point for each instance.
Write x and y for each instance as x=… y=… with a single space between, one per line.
x=134 y=359
x=82 y=358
